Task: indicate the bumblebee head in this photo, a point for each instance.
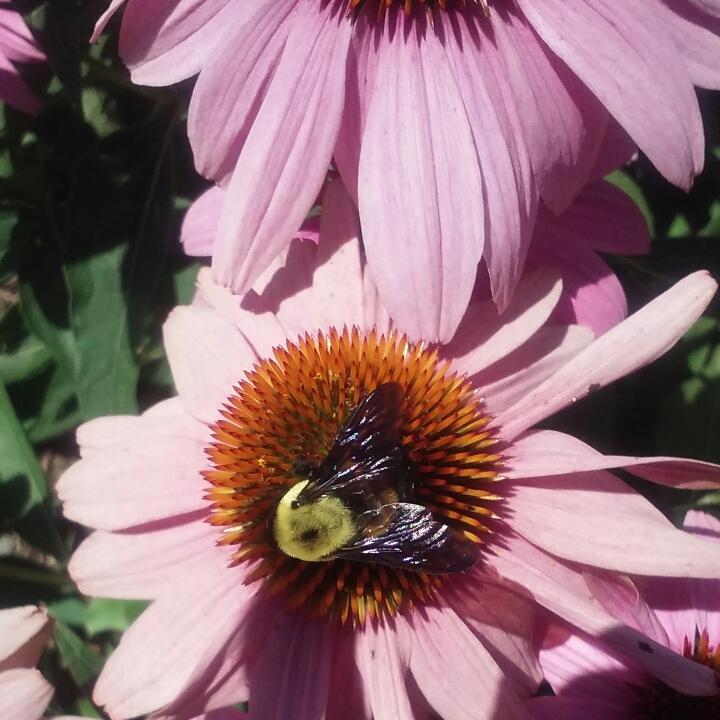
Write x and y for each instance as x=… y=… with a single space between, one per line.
x=311 y=530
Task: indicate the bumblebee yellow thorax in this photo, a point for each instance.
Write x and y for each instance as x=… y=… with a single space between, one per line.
x=311 y=531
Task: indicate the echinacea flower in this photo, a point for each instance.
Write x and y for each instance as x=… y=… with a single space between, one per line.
x=17 y=45
x=24 y=693
x=600 y=219
x=447 y=120
x=186 y=500
x=591 y=681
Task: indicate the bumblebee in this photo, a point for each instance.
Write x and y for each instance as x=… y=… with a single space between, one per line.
x=360 y=502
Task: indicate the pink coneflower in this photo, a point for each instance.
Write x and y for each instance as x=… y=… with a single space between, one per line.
x=186 y=500
x=447 y=120
x=24 y=693
x=600 y=219
x=592 y=681
x=17 y=45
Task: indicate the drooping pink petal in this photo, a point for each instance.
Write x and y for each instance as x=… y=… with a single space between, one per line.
x=24 y=694
x=16 y=41
x=162 y=648
x=105 y=18
x=221 y=677
x=383 y=661
x=546 y=452
x=562 y=590
x=232 y=86
x=456 y=674
x=504 y=622
x=286 y=155
x=609 y=51
x=423 y=223
x=485 y=336
x=347 y=694
x=129 y=484
x=552 y=708
x=165 y=41
x=605 y=524
x=697 y=37
x=562 y=121
x=620 y=596
x=291 y=676
x=15 y=91
x=637 y=341
x=200 y=223
x=510 y=192
x=207 y=356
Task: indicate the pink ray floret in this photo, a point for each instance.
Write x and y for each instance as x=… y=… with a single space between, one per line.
x=17 y=46
x=24 y=693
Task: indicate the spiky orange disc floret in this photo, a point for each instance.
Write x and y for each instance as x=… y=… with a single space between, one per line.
x=293 y=405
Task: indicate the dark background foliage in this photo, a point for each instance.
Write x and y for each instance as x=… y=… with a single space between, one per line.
x=92 y=193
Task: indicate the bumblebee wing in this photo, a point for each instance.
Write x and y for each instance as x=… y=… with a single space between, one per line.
x=367 y=446
x=405 y=535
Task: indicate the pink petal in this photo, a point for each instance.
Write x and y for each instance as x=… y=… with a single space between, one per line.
x=383 y=661
x=485 y=336
x=602 y=217
x=105 y=432
x=221 y=677
x=105 y=18
x=146 y=564
x=419 y=198
x=640 y=339
x=627 y=60
x=504 y=622
x=290 y=678
x=335 y=296
x=554 y=708
x=670 y=601
x=232 y=85
x=129 y=484
x=605 y=524
x=697 y=37
x=24 y=694
x=562 y=121
x=456 y=674
x=511 y=195
x=592 y=295
x=562 y=590
x=286 y=156
x=260 y=328
x=23 y=632
x=588 y=672
x=165 y=41
x=200 y=223
x=14 y=90
x=207 y=356
x=546 y=452
x=16 y=41
x=508 y=380
x=347 y=693
x=162 y=648
x=620 y=596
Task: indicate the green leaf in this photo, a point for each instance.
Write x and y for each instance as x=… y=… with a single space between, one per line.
x=623 y=181
x=107 y=374
x=18 y=464
x=29 y=360
x=59 y=412
x=106 y=615
x=83 y=663
x=185 y=283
